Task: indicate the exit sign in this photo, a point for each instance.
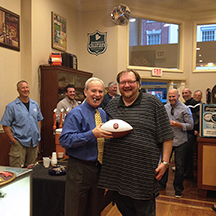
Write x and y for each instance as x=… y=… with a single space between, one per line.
x=157 y=72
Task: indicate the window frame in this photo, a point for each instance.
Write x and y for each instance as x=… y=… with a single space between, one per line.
x=196 y=23
x=180 y=36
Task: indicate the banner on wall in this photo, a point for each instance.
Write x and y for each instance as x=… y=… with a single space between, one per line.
x=97 y=42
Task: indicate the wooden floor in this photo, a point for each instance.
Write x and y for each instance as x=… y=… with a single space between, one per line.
x=167 y=205
x=168 y=209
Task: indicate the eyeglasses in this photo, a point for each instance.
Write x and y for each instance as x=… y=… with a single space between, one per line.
x=172 y=111
x=129 y=82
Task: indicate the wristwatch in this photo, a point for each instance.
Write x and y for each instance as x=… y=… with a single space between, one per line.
x=165 y=163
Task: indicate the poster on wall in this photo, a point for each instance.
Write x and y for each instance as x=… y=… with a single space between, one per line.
x=97 y=42
x=208 y=120
x=9 y=30
x=59 y=32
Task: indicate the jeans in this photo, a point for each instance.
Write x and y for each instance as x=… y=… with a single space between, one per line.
x=179 y=171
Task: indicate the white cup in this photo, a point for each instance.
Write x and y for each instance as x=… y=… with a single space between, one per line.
x=46 y=162
x=60 y=154
x=54 y=158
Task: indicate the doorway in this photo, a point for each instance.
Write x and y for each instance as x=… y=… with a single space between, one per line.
x=160 y=88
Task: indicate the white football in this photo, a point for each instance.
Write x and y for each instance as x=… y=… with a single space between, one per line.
x=119 y=128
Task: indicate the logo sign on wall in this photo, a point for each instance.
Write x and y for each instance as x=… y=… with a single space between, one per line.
x=97 y=42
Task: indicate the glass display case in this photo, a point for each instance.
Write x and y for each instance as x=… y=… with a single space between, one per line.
x=78 y=81
x=53 y=81
x=15 y=196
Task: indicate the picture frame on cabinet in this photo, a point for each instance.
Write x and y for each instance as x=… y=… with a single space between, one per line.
x=59 y=32
x=9 y=29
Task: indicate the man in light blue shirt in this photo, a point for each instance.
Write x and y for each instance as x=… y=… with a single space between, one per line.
x=181 y=120
x=20 y=124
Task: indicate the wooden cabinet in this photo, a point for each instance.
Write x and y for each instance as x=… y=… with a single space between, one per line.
x=206 y=179
x=5 y=149
x=53 y=81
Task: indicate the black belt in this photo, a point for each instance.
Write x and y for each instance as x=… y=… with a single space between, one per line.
x=88 y=163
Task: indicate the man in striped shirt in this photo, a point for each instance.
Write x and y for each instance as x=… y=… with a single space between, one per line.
x=130 y=163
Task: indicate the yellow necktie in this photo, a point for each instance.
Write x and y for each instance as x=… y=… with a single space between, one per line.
x=100 y=141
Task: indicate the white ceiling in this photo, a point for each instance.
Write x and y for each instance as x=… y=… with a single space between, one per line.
x=186 y=5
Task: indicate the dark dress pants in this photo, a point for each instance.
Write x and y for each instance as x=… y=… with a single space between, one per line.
x=189 y=155
x=82 y=195
x=179 y=171
x=133 y=207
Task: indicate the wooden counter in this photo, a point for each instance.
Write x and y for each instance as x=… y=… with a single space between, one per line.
x=206 y=179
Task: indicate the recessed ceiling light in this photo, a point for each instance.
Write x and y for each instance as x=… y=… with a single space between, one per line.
x=132 y=20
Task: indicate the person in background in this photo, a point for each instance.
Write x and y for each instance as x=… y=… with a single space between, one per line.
x=192 y=134
x=21 y=124
x=142 y=90
x=68 y=103
x=110 y=94
x=130 y=165
x=79 y=138
x=198 y=96
x=181 y=120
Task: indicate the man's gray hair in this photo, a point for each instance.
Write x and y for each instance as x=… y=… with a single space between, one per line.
x=112 y=83
x=21 y=81
x=91 y=80
x=198 y=91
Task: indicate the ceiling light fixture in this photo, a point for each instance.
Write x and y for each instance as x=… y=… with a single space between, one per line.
x=132 y=20
x=120 y=14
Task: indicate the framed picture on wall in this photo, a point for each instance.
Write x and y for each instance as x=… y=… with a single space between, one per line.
x=59 y=32
x=9 y=29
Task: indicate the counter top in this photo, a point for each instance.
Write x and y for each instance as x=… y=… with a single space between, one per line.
x=20 y=172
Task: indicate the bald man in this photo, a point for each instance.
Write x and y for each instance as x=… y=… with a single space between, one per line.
x=181 y=120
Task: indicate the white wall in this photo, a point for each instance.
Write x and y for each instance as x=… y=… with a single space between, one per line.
x=10 y=60
x=41 y=35
x=103 y=66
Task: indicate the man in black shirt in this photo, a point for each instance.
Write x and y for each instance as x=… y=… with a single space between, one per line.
x=197 y=95
x=110 y=94
x=192 y=134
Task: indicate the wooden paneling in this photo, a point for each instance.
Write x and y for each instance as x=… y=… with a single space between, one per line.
x=206 y=165
x=4 y=150
x=209 y=163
